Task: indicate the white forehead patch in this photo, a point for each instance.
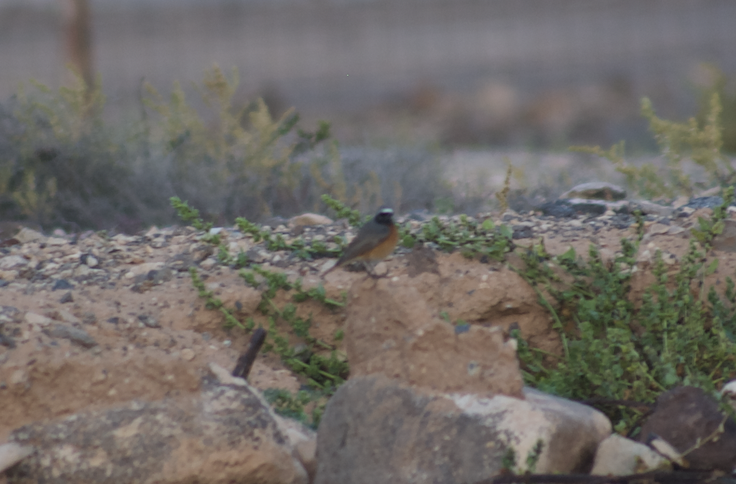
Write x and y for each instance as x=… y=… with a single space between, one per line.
x=387 y=211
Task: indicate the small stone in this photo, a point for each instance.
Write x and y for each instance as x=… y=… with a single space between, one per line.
x=187 y=354
x=62 y=284
x=618 y=456
x=66 y=298
x=381 y=269
x=149 y=321
x=12 y=453
x=89 y=260
x=75 y=335
x=68 y=317
x=35 y=318
x=12 y=262
x=28 y=235
x=56 y=241
x=19 y=377
x=89 y=318
x=306 y=219
x=208 y=263
x=596 y=191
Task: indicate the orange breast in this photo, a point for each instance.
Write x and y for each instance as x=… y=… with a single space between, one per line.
x=385 y=248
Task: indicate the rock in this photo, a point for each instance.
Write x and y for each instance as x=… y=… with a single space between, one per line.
x=378 y=430
x=66 y=298
x=650 y=208
x=144 y=269
x=34 y=318
x=208 y=263
x=62 y=284
x=619 y=456
x=228 y=434
x=689 y=420
x=12 y=453
x=56 y=241
x=307 y=219
x=726 y=240
x=28 y=235
x=89 y=260
x=188 y=354
x=704 y=202
x=78 y=336
x=390 y=330
x=729 y=393
x=12 y=262
x=572 y=207
x=596 y=191
x=148 y=321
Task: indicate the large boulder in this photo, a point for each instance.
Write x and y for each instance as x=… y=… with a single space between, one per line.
x=390 y=330
x=378 y=430
x=226 y=434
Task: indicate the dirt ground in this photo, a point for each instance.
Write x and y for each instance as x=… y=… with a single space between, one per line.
x=90 y=322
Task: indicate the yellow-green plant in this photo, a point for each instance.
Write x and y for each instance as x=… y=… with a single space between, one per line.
x=693 y=141
x=725 y=87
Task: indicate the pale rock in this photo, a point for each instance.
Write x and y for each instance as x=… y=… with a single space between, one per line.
x=208 y=263
x=143 y=269
x=56 y=241
x=596 y=191
x=12 y=453
x=307 y=219
x=8 y=275
x=12 y=262
x=381 y=269
x=188 y=354
x=35 y=318
x=28 y=235
x=619 y=456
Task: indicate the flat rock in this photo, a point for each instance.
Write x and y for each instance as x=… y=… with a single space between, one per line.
x=307 y=219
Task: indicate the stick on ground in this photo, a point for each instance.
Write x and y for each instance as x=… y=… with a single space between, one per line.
x=245 y=362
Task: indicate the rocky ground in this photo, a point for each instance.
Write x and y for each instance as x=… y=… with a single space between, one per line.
x=90 y=323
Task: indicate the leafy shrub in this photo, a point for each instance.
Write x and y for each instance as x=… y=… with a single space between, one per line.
x=725 y=88
x=62 y=165
x=684 y=146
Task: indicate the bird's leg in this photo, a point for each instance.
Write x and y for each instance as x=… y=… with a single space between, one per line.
x=370 y=267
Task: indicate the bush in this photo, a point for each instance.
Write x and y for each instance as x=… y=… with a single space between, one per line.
x=61 y=165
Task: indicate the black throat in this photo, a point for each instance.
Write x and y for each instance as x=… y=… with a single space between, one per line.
x=384 y=217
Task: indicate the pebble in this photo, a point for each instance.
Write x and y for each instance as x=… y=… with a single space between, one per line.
x=75 y=335
x=187 y=354
x=35 y=318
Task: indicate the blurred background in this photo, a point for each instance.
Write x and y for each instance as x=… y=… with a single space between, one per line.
x=464 y=75
x=510 y=72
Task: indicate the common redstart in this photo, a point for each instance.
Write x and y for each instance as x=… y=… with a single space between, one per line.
x=375 y=241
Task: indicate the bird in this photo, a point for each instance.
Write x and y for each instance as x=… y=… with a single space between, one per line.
x=375 y=241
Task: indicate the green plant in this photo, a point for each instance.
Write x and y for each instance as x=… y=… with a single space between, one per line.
x=696 y=141
x=725 y=88
x=618 y=350
x=472 y=238
x=325 y=373
x=294 y=405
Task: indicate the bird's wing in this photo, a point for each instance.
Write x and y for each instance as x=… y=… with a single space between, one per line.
x=361 y=244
